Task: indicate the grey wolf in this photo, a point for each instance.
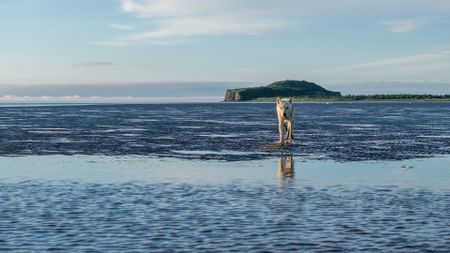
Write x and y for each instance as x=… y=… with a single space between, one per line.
x=285 y=112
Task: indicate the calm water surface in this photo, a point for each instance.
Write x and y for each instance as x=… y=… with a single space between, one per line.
x=164 y=178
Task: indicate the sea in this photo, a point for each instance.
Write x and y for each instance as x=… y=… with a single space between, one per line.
x=210 y=177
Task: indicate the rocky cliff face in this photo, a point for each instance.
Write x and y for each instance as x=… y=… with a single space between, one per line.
x=232 y=96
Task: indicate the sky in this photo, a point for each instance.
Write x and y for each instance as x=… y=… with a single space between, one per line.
x=354 y=46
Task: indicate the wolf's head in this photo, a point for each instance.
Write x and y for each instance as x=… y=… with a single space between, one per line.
x=284 y=106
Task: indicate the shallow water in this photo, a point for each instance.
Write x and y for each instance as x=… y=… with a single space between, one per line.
x=103 y=203
x=156 y=217
x=339 y=131
x=197 y=177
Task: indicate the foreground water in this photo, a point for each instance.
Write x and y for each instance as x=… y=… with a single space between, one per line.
x=140 y=178
x=91 y=203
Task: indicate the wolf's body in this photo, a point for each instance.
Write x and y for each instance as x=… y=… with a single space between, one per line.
x=285 y=113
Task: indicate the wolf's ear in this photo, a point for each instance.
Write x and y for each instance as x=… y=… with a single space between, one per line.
x=278 y=100
x=290 y=99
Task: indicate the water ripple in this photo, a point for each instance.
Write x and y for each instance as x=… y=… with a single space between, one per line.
x=340 y=131
x=43 y=216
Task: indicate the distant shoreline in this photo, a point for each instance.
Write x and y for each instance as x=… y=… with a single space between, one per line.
x=304 y=91
x=342 y=101
x=347 y=100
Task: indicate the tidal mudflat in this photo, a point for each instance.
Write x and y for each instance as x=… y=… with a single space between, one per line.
x=194 y=177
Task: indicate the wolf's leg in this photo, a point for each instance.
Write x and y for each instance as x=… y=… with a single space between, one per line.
x=286 y=129
x=280 y=129
x=291 y=131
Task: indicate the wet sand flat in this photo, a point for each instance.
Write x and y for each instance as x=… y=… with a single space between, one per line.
x=228 y=132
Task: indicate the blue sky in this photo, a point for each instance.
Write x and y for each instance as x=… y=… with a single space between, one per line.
x=346 y=44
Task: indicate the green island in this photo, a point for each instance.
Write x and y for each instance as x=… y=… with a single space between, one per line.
x=309 y=91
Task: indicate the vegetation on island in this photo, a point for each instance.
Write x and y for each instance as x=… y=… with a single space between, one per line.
x=308 y=91
x=396 y=97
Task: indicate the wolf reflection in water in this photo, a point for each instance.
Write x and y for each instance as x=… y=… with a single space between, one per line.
x=286 y=170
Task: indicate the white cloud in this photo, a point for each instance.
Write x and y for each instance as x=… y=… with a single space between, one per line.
x=189 y=18
x=402 y=26
x=166 y=8
x=94 y=63
x=419 y=67
x=406 y=60
x=186 y=27
x=179 y=8
x=177 y=18
x=121 y=27
x=112 y=43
